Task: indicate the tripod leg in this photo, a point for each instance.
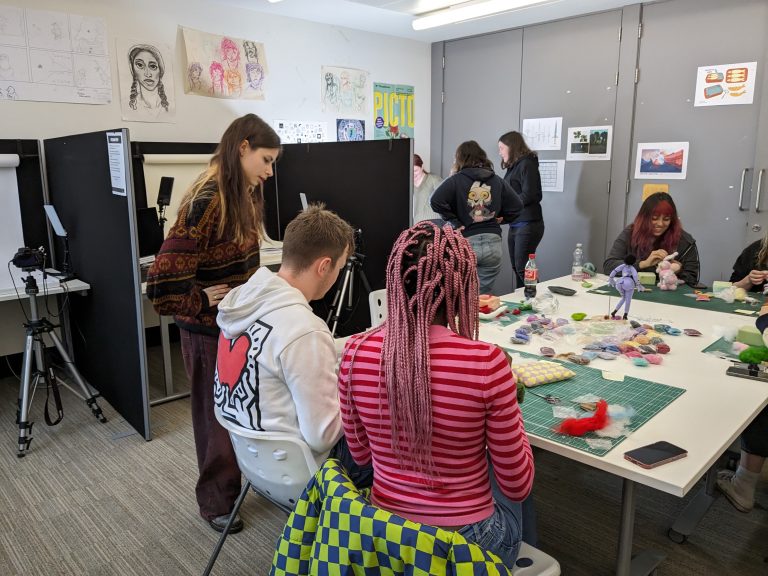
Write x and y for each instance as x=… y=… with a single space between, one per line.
x=90 y=397
x=25 y=427
x=338 y=300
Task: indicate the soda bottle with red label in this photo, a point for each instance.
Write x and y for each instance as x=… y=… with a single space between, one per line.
x=531 y=277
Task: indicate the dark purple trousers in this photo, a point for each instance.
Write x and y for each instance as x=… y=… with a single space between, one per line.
x=219 y=482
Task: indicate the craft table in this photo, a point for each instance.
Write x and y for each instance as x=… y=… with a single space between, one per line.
x=705 y=420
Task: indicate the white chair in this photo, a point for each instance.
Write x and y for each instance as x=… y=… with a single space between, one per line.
x=533 y=562
x=278 y=466
x=377 y=301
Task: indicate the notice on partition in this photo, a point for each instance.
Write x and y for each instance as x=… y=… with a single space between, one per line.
x=116 y=153
x=50 y=56
x=662 y=161
x=543 y=133
x=589 y=143
x=552 y=175
x=725 y=84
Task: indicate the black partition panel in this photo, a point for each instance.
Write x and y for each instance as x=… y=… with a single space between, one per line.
x=31 y=196
x=368 y=184
x=103 y=243
x=138 y=149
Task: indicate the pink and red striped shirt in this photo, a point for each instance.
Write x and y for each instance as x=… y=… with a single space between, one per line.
x=474 y=406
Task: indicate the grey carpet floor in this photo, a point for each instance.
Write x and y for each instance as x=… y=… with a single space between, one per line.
x=96 y=499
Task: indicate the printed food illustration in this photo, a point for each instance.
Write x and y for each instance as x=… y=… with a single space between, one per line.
x=736 y=75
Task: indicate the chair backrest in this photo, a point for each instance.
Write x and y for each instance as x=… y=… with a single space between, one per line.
x=278 y=465
x=377 y=301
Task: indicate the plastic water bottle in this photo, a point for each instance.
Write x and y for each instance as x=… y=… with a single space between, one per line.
x=531 y=277
x=577 y=270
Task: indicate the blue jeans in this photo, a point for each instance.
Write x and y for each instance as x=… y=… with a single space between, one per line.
x=487 y=249
x=501 y=532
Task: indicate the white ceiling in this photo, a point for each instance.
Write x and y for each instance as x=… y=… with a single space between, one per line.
x=394 y=17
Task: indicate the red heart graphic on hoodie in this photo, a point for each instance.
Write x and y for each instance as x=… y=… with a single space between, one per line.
x=231 y=359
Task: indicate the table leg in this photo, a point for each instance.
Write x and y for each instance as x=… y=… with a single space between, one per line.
x=690 y=517
x=646 y=561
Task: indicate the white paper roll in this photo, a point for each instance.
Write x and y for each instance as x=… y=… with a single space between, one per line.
x=9 y=160
x=177 y=158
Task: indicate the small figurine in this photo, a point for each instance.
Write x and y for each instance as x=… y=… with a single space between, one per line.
x=667 y=278
x=626 y=283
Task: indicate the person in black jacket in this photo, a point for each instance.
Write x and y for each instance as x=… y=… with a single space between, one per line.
x=475 y=200
x=655 y=234
x=750 y=271
x=527 y=230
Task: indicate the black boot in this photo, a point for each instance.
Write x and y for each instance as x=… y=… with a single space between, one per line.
x=625 y=316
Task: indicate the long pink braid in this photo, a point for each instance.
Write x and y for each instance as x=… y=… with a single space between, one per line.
x=429 y=268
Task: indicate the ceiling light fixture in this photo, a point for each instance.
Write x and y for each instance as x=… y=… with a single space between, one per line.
x=274 y=1
x=462 y=13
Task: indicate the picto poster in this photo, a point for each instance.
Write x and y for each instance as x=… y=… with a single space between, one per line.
x=393 y=107
x=725 y=84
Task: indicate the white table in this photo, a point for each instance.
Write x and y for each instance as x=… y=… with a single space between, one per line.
x=705 y=420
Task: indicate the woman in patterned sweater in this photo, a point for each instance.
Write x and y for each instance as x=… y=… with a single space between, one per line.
x=213 y=247
x=430 y=405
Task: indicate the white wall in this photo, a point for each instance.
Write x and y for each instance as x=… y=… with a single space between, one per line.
x=295 y=51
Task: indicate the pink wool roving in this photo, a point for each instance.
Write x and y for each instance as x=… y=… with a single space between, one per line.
x=653 y=358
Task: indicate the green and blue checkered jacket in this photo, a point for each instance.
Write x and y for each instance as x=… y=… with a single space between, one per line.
x=335 y=530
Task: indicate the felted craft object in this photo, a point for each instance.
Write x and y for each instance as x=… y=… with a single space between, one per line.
x=542 y=372
x=580 y=426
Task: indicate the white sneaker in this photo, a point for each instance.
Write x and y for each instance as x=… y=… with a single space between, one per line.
x=725 y=485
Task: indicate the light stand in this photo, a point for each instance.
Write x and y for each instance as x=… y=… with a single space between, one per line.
x=34 y=348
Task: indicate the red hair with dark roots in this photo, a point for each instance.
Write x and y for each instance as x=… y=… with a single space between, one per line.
x=643 y=241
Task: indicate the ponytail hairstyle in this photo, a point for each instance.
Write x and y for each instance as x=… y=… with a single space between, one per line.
x=431 y=278
x=643 y=242
x=242 y=206
x=517 y=148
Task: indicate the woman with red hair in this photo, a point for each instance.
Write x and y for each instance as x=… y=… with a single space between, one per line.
x=655 y=234
x=433 y=407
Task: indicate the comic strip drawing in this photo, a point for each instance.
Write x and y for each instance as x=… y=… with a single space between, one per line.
x=343 y=90
x=236 y=68
x=146 y=81
x=50 y=56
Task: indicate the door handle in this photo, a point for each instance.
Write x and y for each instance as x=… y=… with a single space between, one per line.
x=741 y=188
x=759 y=189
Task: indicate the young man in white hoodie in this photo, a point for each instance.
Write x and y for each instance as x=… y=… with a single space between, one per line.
x=276 y=363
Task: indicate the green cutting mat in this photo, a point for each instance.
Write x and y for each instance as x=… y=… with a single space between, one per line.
x=677 y=298
x=647 y=398
x=721 y=347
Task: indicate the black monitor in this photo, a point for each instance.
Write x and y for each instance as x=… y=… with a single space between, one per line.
x=149 y=230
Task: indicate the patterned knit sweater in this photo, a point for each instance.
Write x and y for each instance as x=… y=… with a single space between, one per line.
x=193 y=258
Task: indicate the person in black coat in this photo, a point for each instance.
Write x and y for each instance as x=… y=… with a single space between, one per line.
x=527 y=230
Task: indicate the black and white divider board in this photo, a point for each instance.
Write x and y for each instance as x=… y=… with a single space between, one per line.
x=369 y=184
x=90 y=183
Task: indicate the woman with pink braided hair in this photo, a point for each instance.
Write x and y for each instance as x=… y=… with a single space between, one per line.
x=430 y=405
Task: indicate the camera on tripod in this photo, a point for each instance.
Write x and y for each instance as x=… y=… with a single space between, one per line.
x=29 y=259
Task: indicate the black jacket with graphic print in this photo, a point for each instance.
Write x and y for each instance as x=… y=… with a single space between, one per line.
x=475 y=198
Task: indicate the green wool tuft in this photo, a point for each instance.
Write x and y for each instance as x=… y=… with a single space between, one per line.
x=753 y=355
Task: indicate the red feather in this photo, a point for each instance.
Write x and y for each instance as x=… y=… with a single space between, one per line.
x=580 y=426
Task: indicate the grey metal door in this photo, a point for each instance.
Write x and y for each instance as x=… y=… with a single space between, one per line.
x=677 y=38
x=757 y=213
x=482 y=101
x=569 y=70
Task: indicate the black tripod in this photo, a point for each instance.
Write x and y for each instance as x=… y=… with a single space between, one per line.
x=34 y=345
x=346 y=287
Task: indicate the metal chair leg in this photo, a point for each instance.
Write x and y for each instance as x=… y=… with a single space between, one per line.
x=220 y=543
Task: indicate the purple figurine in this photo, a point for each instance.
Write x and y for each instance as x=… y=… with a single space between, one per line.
x=625 y=283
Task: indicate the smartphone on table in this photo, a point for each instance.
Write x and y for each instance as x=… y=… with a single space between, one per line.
x=655 y=454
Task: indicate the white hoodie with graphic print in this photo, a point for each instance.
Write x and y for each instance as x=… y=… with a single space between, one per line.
x=276 y=363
